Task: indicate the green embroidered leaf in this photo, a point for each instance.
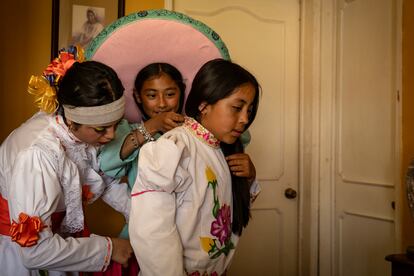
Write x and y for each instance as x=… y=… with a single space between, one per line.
x=216 y=208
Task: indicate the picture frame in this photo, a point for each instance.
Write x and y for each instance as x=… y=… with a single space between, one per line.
x=70 y=17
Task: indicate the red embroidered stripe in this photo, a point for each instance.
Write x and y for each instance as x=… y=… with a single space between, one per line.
x=107 y=259
x=143 y=192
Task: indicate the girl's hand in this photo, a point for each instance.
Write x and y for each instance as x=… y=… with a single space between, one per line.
x=241 y=165
x=121 y=251
x=163 y=122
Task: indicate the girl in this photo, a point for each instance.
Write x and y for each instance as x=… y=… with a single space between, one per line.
x=190 y=204
x=48 y=170
x=159 y=94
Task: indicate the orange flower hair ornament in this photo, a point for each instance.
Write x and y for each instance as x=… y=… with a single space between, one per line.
x=45 y=87
x=26 y=231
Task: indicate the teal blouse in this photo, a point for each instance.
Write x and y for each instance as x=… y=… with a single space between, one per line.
x=109 y=157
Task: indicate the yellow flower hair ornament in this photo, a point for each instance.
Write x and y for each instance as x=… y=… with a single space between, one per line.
x=44 y=88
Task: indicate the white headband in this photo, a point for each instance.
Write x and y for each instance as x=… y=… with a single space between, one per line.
x=96 y=115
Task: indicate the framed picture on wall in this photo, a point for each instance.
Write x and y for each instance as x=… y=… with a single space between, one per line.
x=79 y=21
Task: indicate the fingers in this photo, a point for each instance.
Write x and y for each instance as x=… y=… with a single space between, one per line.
x=178 y=118
x=241 y=165
x=238 y=159
x=172 y=120
x=121 y=251
x=167 y=120
x=128 y=255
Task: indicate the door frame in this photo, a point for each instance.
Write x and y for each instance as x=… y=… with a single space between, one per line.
x=316 y=209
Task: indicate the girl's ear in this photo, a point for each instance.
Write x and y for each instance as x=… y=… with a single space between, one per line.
x=202 y=107
x=70 y=125
x=136 y=96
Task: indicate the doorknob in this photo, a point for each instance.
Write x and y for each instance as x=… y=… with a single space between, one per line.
x=290 y=193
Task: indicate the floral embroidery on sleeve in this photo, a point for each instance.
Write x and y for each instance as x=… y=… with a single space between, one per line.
x=220 y=227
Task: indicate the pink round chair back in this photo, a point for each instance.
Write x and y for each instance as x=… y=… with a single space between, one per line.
x=136 y=40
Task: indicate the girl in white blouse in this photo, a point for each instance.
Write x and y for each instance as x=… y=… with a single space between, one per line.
x=49 y=169
x=191 y=199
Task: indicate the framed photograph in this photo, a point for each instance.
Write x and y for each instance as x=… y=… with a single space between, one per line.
x=79 y=21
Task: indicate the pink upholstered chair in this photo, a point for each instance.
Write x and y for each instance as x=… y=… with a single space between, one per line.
x=136 y=40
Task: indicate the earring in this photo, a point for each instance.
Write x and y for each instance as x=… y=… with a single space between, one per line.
x=202 y=106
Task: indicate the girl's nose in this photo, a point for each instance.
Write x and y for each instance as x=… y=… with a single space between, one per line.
x=244 y=117
x=110 y=132
x=161 y=102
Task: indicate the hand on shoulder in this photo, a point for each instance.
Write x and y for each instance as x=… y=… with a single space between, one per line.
x=164 y=122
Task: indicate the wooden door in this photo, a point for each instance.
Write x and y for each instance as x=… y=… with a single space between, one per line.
x=365 y=152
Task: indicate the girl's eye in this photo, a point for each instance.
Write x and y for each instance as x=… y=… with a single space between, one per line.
x=171 y=94
x=250 y=110
x=150 y=96
x=237 y=108
x=103 y=129
x=99 y=129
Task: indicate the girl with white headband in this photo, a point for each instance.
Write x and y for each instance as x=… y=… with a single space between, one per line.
x=49 y=170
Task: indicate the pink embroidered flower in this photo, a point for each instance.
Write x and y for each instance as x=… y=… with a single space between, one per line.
x=220 y=228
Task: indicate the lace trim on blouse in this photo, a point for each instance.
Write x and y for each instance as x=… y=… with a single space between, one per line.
x=82 y=155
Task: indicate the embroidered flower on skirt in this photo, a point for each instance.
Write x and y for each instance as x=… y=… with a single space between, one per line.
x=220 y=228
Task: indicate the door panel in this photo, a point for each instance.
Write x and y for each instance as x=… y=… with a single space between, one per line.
x=366 y=127
x=263 y=36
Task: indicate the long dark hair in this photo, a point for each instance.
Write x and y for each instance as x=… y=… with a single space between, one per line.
x=89 y=83
x=216 y=80
x=153 y=70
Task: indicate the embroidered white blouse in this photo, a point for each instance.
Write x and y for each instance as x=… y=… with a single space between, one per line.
x=181 y=206
x=42 y=170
